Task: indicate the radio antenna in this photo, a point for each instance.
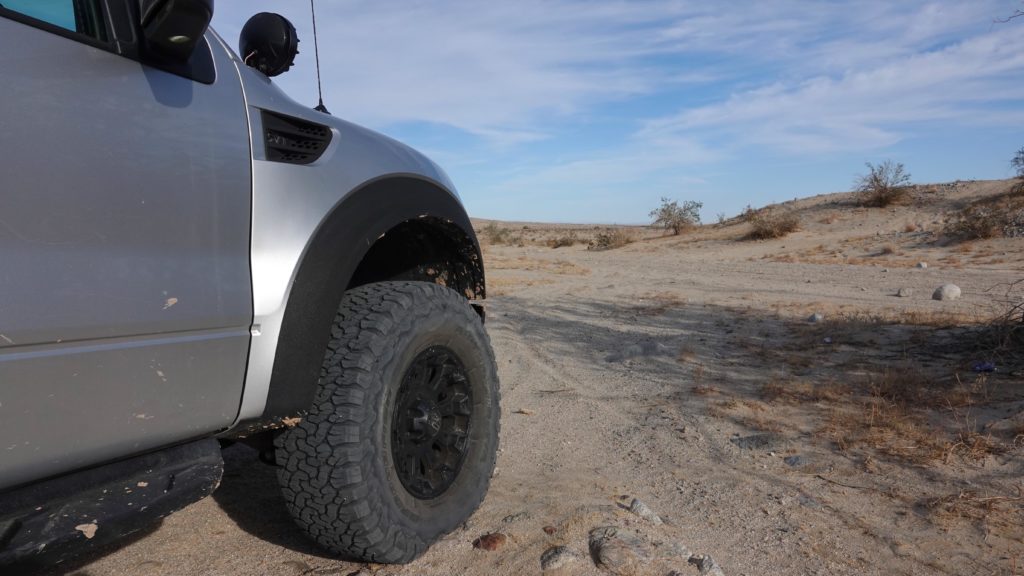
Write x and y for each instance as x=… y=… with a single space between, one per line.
x=316 y=50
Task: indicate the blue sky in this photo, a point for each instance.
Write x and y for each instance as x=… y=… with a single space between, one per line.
x=592 y=110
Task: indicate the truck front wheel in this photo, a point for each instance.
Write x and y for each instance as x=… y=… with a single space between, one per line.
x=400 y=443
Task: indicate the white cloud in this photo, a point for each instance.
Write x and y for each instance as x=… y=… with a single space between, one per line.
x=873 y=106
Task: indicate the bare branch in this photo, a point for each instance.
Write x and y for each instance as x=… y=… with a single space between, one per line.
x=1016 y=14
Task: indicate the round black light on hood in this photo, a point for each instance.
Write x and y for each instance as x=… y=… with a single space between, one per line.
x=268 y=43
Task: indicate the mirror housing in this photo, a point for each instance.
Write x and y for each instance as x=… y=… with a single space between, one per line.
x=173 y=28
x=268 y=43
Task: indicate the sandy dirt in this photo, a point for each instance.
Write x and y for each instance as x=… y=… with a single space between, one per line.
x=684 y=371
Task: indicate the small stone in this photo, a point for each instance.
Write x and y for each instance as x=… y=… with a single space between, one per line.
x=620 y=553
x=922 y=265
x=905 y=292
x=549 y=530
x=885 y=270
x=816 y=317
x=642 y=510
x=707 y=565
x=946 y=292
x=490 y=542
x=756 y=442
x=795 y=461
x=516 y=517
x=673 y=551
x=557 y=557
x=809 y=502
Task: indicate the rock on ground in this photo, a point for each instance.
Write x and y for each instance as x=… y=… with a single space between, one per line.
x=557 y=557
x=490 y=542
x=757 y=441
x=618 y=552
x=707 y=565
x=644 y=511
x=946 y=292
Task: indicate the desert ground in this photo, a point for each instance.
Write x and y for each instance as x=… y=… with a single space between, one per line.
x=774 y=404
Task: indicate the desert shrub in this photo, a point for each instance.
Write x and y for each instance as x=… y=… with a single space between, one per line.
x=494 y=234
x=610 y=239
x=564 y=240
x=675 y=217
x=885 y=184
x=998 y=216
x=770 y=222
x=1017 y=163
x=977 y=222
x=722 y=218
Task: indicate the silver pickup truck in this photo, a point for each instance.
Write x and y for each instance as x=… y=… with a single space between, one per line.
x=188 y=257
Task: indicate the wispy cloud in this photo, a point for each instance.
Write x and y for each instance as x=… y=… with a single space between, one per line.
x=870 y=107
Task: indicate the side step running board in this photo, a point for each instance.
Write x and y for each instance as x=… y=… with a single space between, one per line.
x=50 y=521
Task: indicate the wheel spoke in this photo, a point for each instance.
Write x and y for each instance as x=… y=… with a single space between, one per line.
x=440 y=379
x=456 y=439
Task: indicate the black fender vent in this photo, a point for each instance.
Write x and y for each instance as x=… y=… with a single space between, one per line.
x=293 y=141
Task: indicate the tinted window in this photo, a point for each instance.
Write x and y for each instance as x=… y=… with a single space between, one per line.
x=82 y=16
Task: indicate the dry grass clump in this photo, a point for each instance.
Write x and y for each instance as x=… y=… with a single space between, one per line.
x=894 y=416
x=610 y=239
x=798 y=392
x=890 y=429
x=1000 y=510
x=770 y=222
x=886 y=184
x=562 y=241
x=887 y=250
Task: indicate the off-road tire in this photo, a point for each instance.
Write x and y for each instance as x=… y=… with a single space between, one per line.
x=337 y=471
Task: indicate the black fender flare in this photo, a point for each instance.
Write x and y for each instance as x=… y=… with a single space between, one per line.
x=334 y=253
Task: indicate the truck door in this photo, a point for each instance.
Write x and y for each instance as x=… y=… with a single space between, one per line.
x=125 y=296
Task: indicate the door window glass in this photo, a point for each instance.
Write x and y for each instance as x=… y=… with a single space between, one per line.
x=82 y=16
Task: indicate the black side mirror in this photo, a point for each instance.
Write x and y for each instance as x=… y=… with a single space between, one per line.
x=173 y=28
x=268 y=43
